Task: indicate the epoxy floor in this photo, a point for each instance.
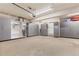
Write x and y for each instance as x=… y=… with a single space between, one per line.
x=40 y=46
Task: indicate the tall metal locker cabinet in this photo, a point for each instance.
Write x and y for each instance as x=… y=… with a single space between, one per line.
x=5 y=28
x=69 y=28
x=27 y=29
x=56 y=29
x=44 y=29
x=33 y=29
x=0 y=29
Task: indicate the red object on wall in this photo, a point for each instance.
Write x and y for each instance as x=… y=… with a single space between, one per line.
x=74 y=18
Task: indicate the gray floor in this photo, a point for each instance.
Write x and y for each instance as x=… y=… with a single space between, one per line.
x=40 y=46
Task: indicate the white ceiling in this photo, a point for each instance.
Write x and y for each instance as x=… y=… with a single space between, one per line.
x=34 y=6
x=62 y=6
x=56 y=7
x=14 y=10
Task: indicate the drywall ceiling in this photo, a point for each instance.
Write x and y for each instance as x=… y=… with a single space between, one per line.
x=54 y=6
x=57 y=6
x=62 y=6
x=9 y=8
x=34 y=6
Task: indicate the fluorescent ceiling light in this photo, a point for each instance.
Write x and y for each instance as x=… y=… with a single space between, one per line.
x=43 y=10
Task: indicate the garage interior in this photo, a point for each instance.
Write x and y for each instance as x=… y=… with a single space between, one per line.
x=39 y=29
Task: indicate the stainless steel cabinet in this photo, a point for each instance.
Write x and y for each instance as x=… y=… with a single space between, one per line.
x=5 y=29
x=33 y=29
x=56 y=29
x=44 y=30
x=70 y=30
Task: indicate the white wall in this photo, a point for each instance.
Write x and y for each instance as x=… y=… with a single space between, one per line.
x=51 y=29
x=16 y=31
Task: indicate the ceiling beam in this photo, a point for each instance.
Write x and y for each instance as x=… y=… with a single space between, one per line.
x=13 y=15
x=23 y=9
